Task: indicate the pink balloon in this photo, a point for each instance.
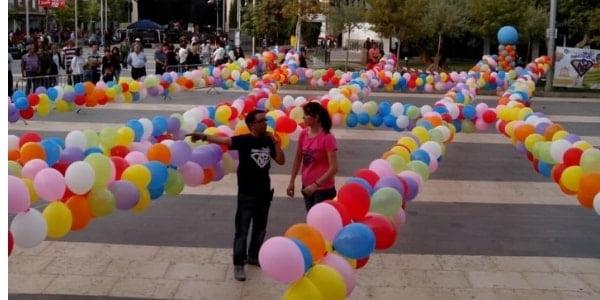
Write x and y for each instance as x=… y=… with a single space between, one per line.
x=326 y=219
x=341 y=265
x=382 y=167
x=32 y=167
x=433 y=165
x=49 y=184
x=400 y=220
x=18 y=195
x=481 y=125
x=192 y=174
x=136 y=158
x=281 y=260
x=412 y=175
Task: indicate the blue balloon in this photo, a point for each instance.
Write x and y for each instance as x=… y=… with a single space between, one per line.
x=545 y=168
x=159 y=174
x=211 y=112
x=91 y=150
x=352 y=120
x=18 y=94
x=389 y=121
x=424 y=123
x=52 y=150
x=385 y=108
x=110 y=84
x=376 y=120
x=200 y=127
x=458 y=125
x=270 y=122
x=469 y=112
x=440 y=109
x=52 y=94
x=365 y=184
x=59 y=141
x=137 y=127
x=355 y=241
x=135 y=96
x=79 y=88
x=308 y=260
x=363 y=118
x=508 y=35
x=21 y=103
x=421 y=155
x=156 y=192
x=159 y=125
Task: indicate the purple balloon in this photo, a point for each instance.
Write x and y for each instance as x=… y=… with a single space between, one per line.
x=40 y=90
x=521 y=148
x=72 y=154
x=411 y=188
x=216 y=151
x=572 y=138
x=203 y=157
x=541 y=127
x=180 y=153
x=391 y=182
x=219 y=171
x=235 y=155
x=126 y=194
x=69 y=96
x=14 y=117
x=11 y=108
x=173 y=125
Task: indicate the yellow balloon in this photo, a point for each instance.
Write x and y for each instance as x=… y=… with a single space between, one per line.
x=421 y=133
x=302 y=289
x=533 y=139
x=397 y=162
x=108 y=137
x=33 y=197
x=228 y=163
x=43 y=109
x=211 y=130
x=241 y=128
x=583 y=145
x=125 y=136
x=134 y=86
x=328 y=281
x=410 y=143
x=345 y=106
x=570 y=178
x=559 y=135
x=402 y=152
x=297 y=114
x=62 y=106
x=143 y=203
x=333 y=106
x=59 y=219
x=139 y=175
x=285 y=140
x=103 y=169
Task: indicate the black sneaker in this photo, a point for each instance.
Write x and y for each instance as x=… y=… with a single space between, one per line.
x=254 y=262
x=239 y=273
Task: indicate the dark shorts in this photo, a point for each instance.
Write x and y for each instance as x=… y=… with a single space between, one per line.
x=318 y=197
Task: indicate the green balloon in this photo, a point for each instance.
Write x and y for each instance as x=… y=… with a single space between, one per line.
x=413 y=112
x=386 y=201
x=102 y=167
x=14 y=168
x=397 y=162
x=420 y=168
x=174 y=184
x=102 y=202
x=108 y=137
x=590 y=160
x=436 y=135
x=467 y=126
x=92 y=139
x=544 y=153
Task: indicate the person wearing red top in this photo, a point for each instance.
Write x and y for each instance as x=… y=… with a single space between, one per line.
x=317 y=151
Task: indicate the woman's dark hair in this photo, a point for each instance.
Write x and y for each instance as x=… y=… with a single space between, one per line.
x=251 y=116
x=316 y=110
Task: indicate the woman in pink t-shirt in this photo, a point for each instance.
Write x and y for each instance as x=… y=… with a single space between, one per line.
x=316 y=151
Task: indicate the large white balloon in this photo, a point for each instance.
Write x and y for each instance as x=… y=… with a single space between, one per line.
x=76 y=139
x=148 y=127
x=29 y=228
x=13 y=142
x=80 y=177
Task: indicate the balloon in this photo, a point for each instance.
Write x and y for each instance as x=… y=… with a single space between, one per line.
x=368 y=175
x=80 y=210
x=310 y=237
x=104 y=170
x=139 y=175
x=125 y=136
x=326 y=219
x=28 y=228
x=174 y=184
x=59 y=219
x=49 y=184
x=192 y=173
x=328 y=281
x=355 y=199
x=301 y=290
x=32 y=167
x=180 y=153
x=18 y=195
x=76 y=139
x=143 y=202
x=355 y=241
x=80 y=177
x=158 y=172
x=159 y=152
x=126 y=194
x=342 y=266
x=570 y=178
x=281 y=260
x=308 y=260
x=101 y=202
x=382 y=168
x=31 y=150
x=385 y=233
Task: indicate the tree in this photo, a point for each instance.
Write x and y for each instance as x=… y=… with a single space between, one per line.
x=400 y=19
x=346 y=17
x=534 y=29
x=487 y=17
x=302 y=10
x=255 y=22
x=594 y=26
x=445 y=18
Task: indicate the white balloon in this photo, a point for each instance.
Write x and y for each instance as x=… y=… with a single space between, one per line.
x=167 y=143
x=189 y=125
x=558 y=149
x=80 y=177
x=13 y=142
x=397 y=109
x=29 y=228
x=433 y=148
x=426 y=109
x=402 y=121
x=597 y=203
x=357 y=107
x=148 y=127
x=288 y=101
x=76 y=139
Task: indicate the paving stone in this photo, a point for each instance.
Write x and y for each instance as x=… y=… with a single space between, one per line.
x=526 y=294
x=136 y=268
x=522 y=264
x=593 y=280
x=412 y=293
x=475 y=294
x=81 y=285
x=184 y=255
x=507 y=280
x=28 y=284
x=571 y=295
x=411 y=261
x=556 y=281
x=77 y=266
x=202 y=290
x=204 y=271
x=262 y=290
x=76 y=250
x=28 y=264
x=575 y=265
x=144 y=288
x=466 y=263
x=382 y=277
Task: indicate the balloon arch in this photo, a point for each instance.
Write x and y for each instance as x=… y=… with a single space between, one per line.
x=88 y=174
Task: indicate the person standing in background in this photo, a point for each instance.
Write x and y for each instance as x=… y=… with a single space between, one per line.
x=137 y=60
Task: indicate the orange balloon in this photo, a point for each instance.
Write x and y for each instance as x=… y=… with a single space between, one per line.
x=159 y=152
x=14 y=154
x=89 y=87
x=209 y=174
x=80 y=209
x=311 y=238
x=523 y=131
x=551 y=130
x=31 y=150
x=566 y=190
x=589 y=186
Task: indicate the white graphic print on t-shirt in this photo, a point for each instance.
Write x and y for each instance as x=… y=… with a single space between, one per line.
x=260 y=156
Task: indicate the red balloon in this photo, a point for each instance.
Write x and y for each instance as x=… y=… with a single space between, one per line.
x=384 y=230
x=534 y=162
x=11 y=243
x=447 y=117
x=119 y=150
x=489 y=116
x=67 y=195
x=362 y=262
x=33 y=99
x=27 y=113
x=208 y=122
x=80 y=100
x=502 y=128
x=120 y=165
x=234 y=113
x=572 y=156
x=124 y=87
x=356 y=200
x=285 y=125
x=557 y=172
x=341 y=210
x=29 y=137
x=368 y=175
x=61 y=166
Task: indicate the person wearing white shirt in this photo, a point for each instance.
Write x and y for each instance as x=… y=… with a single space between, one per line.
x=137 y=61
x=77 y=65
x=183 y=53
x=218 y=55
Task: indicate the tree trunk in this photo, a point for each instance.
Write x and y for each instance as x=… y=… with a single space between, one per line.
x=436 y=61
x=486 y=46
x=347 y=49
x=535 y=49
x=398 y=52
x=298 y=33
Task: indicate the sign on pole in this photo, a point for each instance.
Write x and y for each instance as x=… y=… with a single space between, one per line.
x=577 y=68
x=52 y=3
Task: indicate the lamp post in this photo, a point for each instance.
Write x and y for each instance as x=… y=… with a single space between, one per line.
x=550 y=36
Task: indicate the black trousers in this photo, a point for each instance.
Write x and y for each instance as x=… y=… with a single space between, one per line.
x=10 y=84
x=255 y=210
x=318 y=196
x=137 y=73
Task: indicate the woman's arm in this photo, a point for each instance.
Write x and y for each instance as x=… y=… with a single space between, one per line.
x=331 y=171
x=295 y=169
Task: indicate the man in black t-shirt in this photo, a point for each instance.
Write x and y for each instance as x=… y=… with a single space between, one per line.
x=254 y=186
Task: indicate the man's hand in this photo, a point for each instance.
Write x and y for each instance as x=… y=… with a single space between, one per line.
x=197 y=136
